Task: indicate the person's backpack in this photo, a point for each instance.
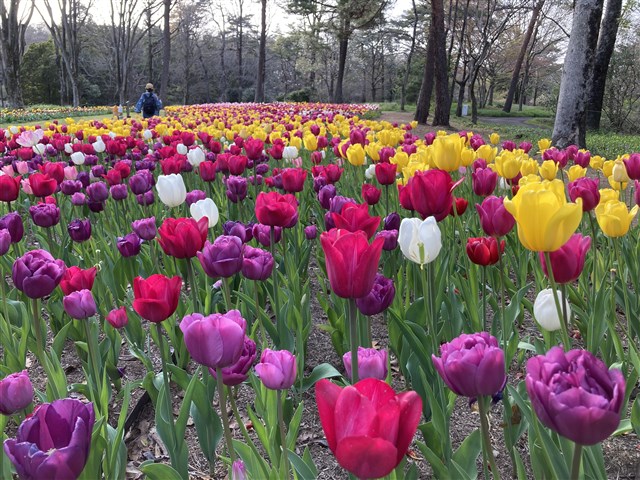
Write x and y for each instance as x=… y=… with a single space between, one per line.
x=149 y=105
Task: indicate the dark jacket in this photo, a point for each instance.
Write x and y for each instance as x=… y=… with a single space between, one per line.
x=140 y=103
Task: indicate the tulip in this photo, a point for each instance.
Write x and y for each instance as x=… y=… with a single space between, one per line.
x=372 y=363
x=205 y=208
x=351 y=262
x=614 y=218
x=145 y=228
x=253 y=148
x=484 y=251
x=75 y=279
x=277 y=369
x=171 y=189
x=156 y=298
x=368 y=426
x=257 y=264
x=379 y=297
x=207 y=171
x=262 y=233
x=325 y=195
x=495 y=220
x=459 y=206
x=45 y=215
x=129 y=245
x=447 y=152
x=636 y=193
x=430 y=193
x=484 y=181
x=632 y=165
x=276 y=210
x=391 y=221
x=215 y=341
x=356 y=155
x=545 y=220
x=310 y=232
x=385 y=173
x=420 y=240
x=370 y=194
x=195 y=156
x=37 y=273
x=119 y=192
x=238 y=372
x=195 y=195
x=5 y=241
x=548 y=170
x=182 y=237
x=79 y=305
x=236 y=188
x=42 y=185
x=545 y=311
x=78 y=158
x=586 y=189
x=12 y=222
x=575 y=394
x=118 y=317
x=472 y=365
x=354 y=217
x=390 y=239
x=568 y=261
x=141 y=182
x=9 y=188
x=54 y=442
x=16 y=393
x=293 y=179
x=79 y=230
x=238 y=471
x=69 y=187
x=223 y=257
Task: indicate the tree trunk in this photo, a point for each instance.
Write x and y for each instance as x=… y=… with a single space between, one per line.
x=149 y=45
x=262 y=54
x=426 y=88
x=523 y=51
x=342 y=60
x=570 y=123
x=443 y=101
x=166 y=49
x=606 y=44
x=461 y=85
x=405 y=80
x=472 y=96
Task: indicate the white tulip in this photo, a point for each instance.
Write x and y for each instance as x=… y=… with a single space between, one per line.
x=370 y=172
x=290 y=152
x=545 y=312
x=181 y=149
x=77 y=158
x=171 y=189
x=39 y=148
x=99 y=145
x=113 y=134
x=205 y=208
x=147 y=135
x=13 y=130
x=195 y=156
x=68 y=148
x=420 y=241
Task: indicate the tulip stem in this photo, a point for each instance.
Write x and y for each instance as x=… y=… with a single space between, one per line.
x=226 y=290
x=483 y=404
x=577 y=460
x=563 y=321
x=222 y=397
x=236 y=413
x=276 y=299
x=353 y=338
x=625 y=290
x=283 y=438
x=94 y=365
x=259 y=313
x=192 y=284
x=484 y=299
x=505 y=335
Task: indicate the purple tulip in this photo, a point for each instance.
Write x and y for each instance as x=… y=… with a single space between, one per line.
x=238 y=372
x=145 y=228
x=95 y=207
x=53 y=443
x=236 y=188
x=277 y=369
x=45 y=215
x=567 y=262
x=223 y=257
x=472 y=365
x=325 y=195
x=78 y=199
x=13 y=223
x=257 y=264
x=140 y=182
x=575 y=394
x=146 y=198
x=379 y=298
x=129 y=245
x=238 y=471
x=237 y=229
x=390 y=239
x=80 y=304
x=79 y=230
x=98 y=171
x=338 y=202
x=484 y=181
x=311 y=232
x=97 y=192
x=5 y=241
x=262 y=233
x=372 y=363
x=16 y=393
x=391 y=221
x=194 y=195
x=319 y=182
x=632 y=165
x=215 y=341
x=83 y=177
x=37 y=273
x=495 y=220
x=587 y=189
x=526 y=146
x=119 y=192
x=636 y=194
x=69 y=187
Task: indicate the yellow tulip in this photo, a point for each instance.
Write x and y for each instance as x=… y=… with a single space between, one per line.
x=607 y=168
x=544 y=144
x=310 y=142
x=617 y=185
x=373 y=151
x=529 y=167
x=548 y=170
x=614 y=218
x=575 y=172
x=413 y=124
x=545 y=220
x=608 y=195
x=526 y=179
x=467 y=157
x=494 y=138
x=619 y=172
x=401 y=159
x=355 y=155
x=295 y=142
x=508 y=165
x=487 y=152
x=446 y=152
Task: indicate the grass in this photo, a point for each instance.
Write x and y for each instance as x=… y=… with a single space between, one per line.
x=527 y=111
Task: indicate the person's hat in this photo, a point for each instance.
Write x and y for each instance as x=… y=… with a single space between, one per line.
x=149 y=86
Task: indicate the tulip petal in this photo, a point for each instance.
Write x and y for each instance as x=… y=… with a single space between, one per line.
x=327 y=394
x=367 y=457
x=355 y=415
x=377 y=391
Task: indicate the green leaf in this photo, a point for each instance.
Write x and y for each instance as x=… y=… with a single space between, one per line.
x=635 y=416
x=207 y=422
x=467 y=453
x=302 y=469
x=159 y=471
x=438 y=467
x=256 y=465
x=294 y=426
x=324 y=370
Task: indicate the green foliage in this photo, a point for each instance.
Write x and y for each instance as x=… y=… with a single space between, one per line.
x=39 y=72
x=302 y=95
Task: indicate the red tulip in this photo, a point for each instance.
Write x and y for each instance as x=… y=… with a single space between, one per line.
x=183 y=237
x=386 y=173
x=354 y=217
x=42 y=185
x=368 y=426
x=275 y=209
x=404 y=196
x=54 y=170
x=237 y=164
x=352 y=263
x=76 y=279
x=253 y=147
x=208 y=171
x=430 y=193
x=9 y=188
x=293 y=179
x=460 y=204
x=484 y=251
x=370 y=194
x=156 y=298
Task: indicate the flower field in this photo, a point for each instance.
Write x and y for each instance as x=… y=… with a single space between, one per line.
x=196 y=264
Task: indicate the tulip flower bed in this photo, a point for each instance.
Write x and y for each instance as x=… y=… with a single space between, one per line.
x=46 y=112
x=291 y=291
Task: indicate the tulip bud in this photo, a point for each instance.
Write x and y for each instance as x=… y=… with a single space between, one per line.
x=129 y=245
x=223 y=257
x=545 y=311
x=79 y=230
x=277 y=369
x=5 y=241
x=145 y=228
x=238 y=471
x=257 y=264
x=118 y=318
x=310 y=232
x=372 y=363
x=205 y=208
x=420 y=240
x=80 y=304
x=16 y=393
x=171 y=189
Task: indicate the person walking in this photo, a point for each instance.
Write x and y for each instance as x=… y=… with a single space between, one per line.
x=149 y=104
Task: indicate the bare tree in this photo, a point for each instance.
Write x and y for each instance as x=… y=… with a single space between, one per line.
x=262 y=53
x=13 y=25
x=426 y=88
x=166 y=47
x=441 y=73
